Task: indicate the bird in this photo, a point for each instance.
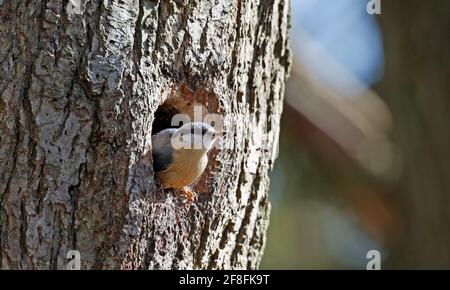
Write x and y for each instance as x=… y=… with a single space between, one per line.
x=180 y=155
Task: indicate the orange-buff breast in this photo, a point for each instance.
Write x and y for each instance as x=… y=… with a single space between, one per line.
x=187 y=166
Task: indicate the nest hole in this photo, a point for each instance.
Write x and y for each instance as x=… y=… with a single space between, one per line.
x=187 y=105
x=163 y=118
x=194 y=104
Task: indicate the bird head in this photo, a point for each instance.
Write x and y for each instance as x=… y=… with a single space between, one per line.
x=194 y=135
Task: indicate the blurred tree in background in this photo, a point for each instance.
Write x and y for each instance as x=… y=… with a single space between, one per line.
x=363 y=169
x=416 y=86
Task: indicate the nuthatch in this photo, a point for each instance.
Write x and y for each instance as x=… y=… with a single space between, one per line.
x=180 y=155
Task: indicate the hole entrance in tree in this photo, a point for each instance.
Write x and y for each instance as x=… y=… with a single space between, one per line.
x=195 y=106
x=163 y=118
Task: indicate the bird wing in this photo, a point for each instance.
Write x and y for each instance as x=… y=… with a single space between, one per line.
x=162 y=151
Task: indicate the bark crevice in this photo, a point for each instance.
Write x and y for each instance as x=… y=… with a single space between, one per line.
x=83 y=87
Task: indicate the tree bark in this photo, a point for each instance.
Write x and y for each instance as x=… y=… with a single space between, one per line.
x=80 y=83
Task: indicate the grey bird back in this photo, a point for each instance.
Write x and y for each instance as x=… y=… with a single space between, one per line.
x=162 y=149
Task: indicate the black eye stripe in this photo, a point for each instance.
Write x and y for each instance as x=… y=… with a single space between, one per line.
x=194 y=131
x=197 y=130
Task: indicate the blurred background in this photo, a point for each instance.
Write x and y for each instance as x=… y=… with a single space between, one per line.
x=364 y=158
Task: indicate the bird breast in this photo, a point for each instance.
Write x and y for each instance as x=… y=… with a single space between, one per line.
x=186 y=168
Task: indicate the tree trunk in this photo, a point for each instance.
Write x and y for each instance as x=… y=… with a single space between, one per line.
x=81 y=82
x=416 y=87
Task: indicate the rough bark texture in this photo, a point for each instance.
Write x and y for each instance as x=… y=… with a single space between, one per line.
x=80 y=82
